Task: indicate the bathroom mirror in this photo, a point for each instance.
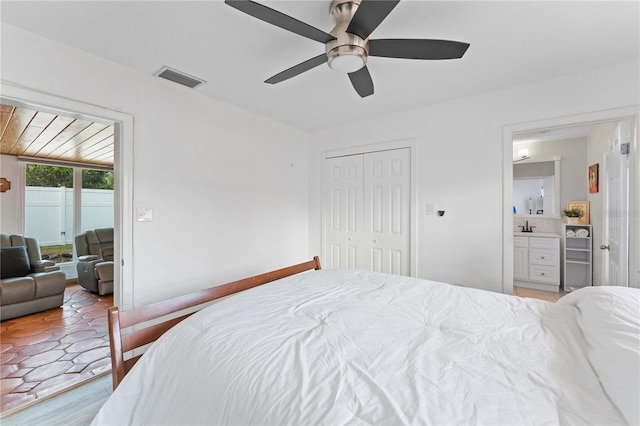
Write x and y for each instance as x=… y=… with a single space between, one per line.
x=536 y=188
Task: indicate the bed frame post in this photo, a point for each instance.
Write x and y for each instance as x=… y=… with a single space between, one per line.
x=316 y=259
x=115 y=343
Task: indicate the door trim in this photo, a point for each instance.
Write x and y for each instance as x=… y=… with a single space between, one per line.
x=631 y=113
x=123 y=173
x=365 y=149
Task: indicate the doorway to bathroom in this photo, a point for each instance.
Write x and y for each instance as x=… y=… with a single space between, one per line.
x=581 y=142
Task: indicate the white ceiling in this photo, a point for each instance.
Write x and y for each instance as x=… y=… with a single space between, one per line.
x=512 y=43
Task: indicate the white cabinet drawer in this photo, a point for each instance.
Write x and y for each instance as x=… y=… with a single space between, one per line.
x=544 y=274
x=544 y=257
x=520 y=242
x=544 y=243
x=536 y=261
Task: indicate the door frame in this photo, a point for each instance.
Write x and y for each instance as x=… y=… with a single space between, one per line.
x=377 y=147
x=631 y=113
x=122 y=169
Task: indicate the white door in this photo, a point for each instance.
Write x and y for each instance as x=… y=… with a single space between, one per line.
x=616 y=218
x=520 y=263
x=387 y=180
x=343 y=212
x=367 y=211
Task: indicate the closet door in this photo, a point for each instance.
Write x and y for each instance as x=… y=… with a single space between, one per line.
x=387 y=216
x=343 y=212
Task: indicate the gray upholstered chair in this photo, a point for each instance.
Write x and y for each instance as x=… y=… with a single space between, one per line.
x=28 y=283
x=95 y=260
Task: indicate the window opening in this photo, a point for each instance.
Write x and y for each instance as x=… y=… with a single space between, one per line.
x=49 y=206
x=97 y=199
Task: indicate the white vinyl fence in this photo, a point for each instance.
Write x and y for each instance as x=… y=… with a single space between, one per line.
x=49 y=213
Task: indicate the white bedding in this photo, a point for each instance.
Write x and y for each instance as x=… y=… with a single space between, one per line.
x=352 y=347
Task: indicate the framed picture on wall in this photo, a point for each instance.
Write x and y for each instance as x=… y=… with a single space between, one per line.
x=593 y=178
x=582 y=206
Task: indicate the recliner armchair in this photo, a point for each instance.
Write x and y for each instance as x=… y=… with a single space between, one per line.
x=95 y=260
x=28 y=283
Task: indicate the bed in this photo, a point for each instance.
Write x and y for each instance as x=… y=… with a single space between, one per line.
x=308 y=346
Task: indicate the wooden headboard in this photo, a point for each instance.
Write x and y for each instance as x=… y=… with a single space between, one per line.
x=141 y=335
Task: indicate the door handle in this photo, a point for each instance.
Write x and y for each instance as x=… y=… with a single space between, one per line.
x=605 y=247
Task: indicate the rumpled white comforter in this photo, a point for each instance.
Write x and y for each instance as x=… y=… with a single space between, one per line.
x=352 y=347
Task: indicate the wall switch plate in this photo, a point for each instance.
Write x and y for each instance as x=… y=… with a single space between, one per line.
x=144 y=214
x=431 y=209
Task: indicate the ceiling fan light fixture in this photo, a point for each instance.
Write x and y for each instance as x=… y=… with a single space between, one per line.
x=347 y=59
x=347 y=45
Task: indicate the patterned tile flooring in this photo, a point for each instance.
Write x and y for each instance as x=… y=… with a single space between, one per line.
x=43 y=353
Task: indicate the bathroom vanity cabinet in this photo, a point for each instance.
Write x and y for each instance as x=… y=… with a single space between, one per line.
x=536 y=261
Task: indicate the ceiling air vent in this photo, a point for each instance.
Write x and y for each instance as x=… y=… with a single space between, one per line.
x=179 y=77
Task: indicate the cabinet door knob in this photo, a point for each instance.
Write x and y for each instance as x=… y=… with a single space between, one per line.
x=605 y=247
x=542 y=273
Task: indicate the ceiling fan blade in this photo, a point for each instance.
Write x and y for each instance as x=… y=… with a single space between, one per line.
x=298 y=69
x=362 y=82
x=279 y=19
x=417 y=48
x=369 y=15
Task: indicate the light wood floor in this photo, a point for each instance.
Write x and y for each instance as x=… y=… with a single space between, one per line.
x=77 y=406
x=80 y=405
x=538 y=294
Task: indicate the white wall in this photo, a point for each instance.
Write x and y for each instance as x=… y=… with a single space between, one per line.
x=253 y=171
x=460 y=162
x=256 y=215
x=11 y=200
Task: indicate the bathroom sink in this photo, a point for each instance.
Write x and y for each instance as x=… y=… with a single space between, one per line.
x=536 y=234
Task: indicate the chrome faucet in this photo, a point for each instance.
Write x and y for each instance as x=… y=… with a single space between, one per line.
x=526 y=227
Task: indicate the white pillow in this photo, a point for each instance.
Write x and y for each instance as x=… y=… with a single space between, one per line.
x=610 y=321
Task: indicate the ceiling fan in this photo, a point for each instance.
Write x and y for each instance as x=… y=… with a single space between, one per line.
x=347 y=45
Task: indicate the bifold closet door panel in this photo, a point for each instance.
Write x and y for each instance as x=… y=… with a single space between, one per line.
x=343 y=212
x=387 y=216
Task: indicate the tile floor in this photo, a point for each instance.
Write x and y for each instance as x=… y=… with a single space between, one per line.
x=46 y=352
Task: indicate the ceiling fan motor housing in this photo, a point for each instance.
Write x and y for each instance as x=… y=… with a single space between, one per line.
x=348 y=52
